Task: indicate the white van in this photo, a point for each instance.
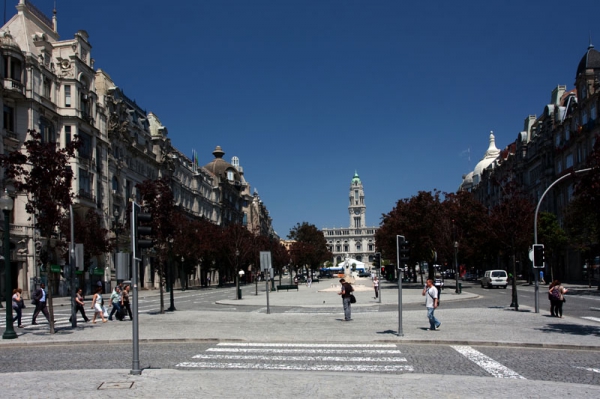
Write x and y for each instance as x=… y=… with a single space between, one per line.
x=494 y=278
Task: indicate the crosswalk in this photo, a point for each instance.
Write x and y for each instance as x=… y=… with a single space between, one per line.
x=376 y=358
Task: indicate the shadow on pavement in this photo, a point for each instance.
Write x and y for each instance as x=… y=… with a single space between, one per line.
x=574 y=329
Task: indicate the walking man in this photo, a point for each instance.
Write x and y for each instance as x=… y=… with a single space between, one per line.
x=346 y=294
x=79 y=304
x=115 y=299
x=431 y=302
x=39 y=298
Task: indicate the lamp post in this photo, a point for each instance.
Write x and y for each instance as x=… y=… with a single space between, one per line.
x=183 y=274
x=237 y=278
x=6 y=203
x=456 y=267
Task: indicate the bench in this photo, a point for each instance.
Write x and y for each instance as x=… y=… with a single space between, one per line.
x=287 y=287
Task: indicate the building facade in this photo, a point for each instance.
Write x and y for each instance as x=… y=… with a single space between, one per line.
x=358 y=240
x=552 y=145
x=51 y=86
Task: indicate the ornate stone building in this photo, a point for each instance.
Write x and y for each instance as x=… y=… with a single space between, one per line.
x=51 y=86
x=552 y=145
x=356 y=241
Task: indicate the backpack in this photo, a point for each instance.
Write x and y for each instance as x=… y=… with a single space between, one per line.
x=555 y=293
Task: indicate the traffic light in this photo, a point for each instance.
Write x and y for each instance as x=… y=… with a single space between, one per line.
x=404 y=251
x=538 y=255
x=377 y=260
x=141 y=231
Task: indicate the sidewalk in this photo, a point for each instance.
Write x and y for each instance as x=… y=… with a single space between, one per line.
x=315 y=316
x=317 y=312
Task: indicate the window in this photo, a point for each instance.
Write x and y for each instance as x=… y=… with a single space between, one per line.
x=557 y=140
x=9 y=118
x=128 y=189
x=47 y=87
x=14 y=71
x=230 y=175
x=584 y=118
x=115 y=184
x=85 y=149
x=67 y=95
x=47 y=131
x=85 y=182
x=67 y=135
x=569 y=162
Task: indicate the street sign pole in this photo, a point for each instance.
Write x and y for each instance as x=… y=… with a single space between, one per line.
x=265 y=266
x=398 y=238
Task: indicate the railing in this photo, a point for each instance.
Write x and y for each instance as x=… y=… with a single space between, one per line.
x=11 y=84
x=88 y=196
x=41 y=16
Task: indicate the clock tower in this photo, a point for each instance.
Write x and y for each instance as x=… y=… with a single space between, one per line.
x=357 y=207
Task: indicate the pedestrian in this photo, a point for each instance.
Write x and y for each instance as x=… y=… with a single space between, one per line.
x=208 y=280
x=39 y=300
x=542 y=281
x=125 y=306
x=18 y=305
x=79 y=306
x=309 y=281
x=115 y=301
x=376 y=287
x=431 y=303
x=556 y=294
x=346 y=293
x=97 y=306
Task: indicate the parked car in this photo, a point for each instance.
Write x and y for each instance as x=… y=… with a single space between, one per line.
x=469 y=276
x=494 y=278
x=364 y=274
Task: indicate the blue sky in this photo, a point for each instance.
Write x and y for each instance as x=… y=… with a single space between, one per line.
x=307 y=92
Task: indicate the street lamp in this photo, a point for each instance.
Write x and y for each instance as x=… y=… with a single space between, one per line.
x=237 y=278
x=6 y=203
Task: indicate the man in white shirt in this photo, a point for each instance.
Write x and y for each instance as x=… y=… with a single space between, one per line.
x=431 y=302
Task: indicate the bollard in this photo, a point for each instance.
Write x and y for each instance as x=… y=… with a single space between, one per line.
x=239 y=293
x=459 y=288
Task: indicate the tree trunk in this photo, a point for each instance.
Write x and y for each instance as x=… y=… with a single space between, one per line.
x=49 y=301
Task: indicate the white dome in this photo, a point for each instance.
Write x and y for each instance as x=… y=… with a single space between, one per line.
x=490 y=155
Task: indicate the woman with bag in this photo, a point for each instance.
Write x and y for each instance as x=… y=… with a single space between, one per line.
x=556 y=296
x=97 y=306
x=18 y=304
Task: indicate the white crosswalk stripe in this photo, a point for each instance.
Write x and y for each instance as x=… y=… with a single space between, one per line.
x=592 y=318
x=299 y=356
x=488 y=364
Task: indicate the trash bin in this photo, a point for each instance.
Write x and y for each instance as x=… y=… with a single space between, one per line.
x=239 y=293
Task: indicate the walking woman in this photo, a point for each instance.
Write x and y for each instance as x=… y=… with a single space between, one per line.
x=556 y=295
x=79 y=305
x=97 y=306
x=17 y=305
x=125 y=303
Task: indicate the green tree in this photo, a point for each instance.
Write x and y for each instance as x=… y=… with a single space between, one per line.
x=42 y=171
x=310 y=247
x=157 y=199
x=555 y=242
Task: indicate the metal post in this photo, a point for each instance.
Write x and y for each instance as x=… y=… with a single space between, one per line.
x=456 y=266
x=9 y=333
x=537 y=290
x=267 y=279
x=72 y=269
x=537 y=208
x=135 y=366
x=379 y=279
x=400 y=332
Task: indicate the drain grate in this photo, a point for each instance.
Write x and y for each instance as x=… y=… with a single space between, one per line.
x=115 y=385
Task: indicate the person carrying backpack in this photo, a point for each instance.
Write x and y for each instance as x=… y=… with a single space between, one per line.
x=346 y=293
x=556 y=296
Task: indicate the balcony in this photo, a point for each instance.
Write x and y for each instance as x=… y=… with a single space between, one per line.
x=87 y=196
x=12 y=86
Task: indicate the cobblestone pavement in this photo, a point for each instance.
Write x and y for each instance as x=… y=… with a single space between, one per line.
x=478 y=334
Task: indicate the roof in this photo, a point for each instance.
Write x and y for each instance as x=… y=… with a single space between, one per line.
x=590 y=60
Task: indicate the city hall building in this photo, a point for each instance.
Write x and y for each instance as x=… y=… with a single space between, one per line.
x=357 y=241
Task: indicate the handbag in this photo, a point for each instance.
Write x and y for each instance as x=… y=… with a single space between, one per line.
x=104 y=311
x=352 y=299
x=22 y=304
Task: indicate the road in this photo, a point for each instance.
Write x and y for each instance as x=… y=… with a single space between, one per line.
x=571 y=366
x=532 y=364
